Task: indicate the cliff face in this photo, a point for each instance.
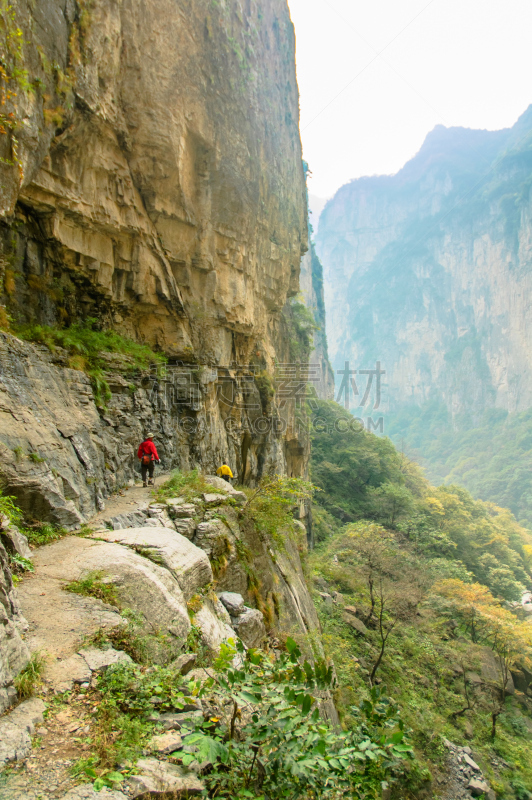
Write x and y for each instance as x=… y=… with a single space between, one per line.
x=437 y=265
x=311 y=283
x=152 y=179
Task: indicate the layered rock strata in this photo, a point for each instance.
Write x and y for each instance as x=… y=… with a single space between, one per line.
x=152 y=180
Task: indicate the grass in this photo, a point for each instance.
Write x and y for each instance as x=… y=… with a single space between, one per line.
x=44 y=533
x=30 y=678
x=144 y=648
x=85 y=345
x=94 y=585
x=123 y=723
x=187 y=484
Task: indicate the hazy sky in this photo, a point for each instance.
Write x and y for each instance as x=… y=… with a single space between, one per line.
x=455 y=62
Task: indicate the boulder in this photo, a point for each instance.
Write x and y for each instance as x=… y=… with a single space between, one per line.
x=224 y=486
x=164 y=780
x=350 y=610
x=17 y=728
x=87 y=792
x=175 y=501
x=355 y=623
x=133 y=519
x=214 y=499
x=162 y=517
x=165 y=743
x=143 y=586
x=212 y=537
x=218 y=483
x=233 y=602
x=186 y=527
x=470 y=763
x=478 y=787
x=520 y=680
x=474 y=679
x=181 y=510
x=214 y=629
x=327 y=598
x=250 y=627
x=188 y=564
x=491 y=671
x=13 y=540
x=99 y=660
x=184 y=663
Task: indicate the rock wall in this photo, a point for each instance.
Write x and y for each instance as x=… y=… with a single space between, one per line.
x=311 y=283
x=428 y=272
x=61 y=455
x=151 y=179
x=14 y=654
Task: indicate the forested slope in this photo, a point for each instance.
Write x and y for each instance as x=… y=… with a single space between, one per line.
x=430 y=584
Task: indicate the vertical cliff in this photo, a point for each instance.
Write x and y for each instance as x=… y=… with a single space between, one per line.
x=428 y=271
x=311 y=282
x=151 y=181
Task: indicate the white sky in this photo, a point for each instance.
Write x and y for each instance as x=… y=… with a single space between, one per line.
x=460 y=62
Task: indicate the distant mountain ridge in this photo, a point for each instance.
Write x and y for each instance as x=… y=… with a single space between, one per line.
x=430 y=271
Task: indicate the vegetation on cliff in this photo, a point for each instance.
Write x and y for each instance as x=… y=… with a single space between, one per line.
x=430 y=583
x=87 y=344
x=490 y=457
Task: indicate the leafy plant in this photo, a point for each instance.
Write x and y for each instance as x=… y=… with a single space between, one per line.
x=271 y=505
x=143 y=647
x=20 y=563
x=269 y=739
x=189 y=485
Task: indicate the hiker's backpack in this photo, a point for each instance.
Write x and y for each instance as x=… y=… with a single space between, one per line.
x=146 y=458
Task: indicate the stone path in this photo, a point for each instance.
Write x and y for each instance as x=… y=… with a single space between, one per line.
x=59 y=622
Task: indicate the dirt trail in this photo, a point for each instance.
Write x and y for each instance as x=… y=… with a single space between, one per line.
x=58 y=620
x=59 y=624
x=127 y=500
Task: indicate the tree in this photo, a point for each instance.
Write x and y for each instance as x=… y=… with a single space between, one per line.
x=490 y=624
x=391 y=502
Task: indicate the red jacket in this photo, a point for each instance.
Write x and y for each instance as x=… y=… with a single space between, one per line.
x=147 y=448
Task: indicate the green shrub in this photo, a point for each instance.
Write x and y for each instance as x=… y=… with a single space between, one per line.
x=131 y=638
x=269 y=739
x=272 y=504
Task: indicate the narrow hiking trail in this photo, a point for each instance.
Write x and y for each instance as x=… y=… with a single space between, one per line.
x=59 y=625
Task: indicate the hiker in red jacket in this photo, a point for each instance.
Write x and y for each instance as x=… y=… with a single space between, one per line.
x=148 y=455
